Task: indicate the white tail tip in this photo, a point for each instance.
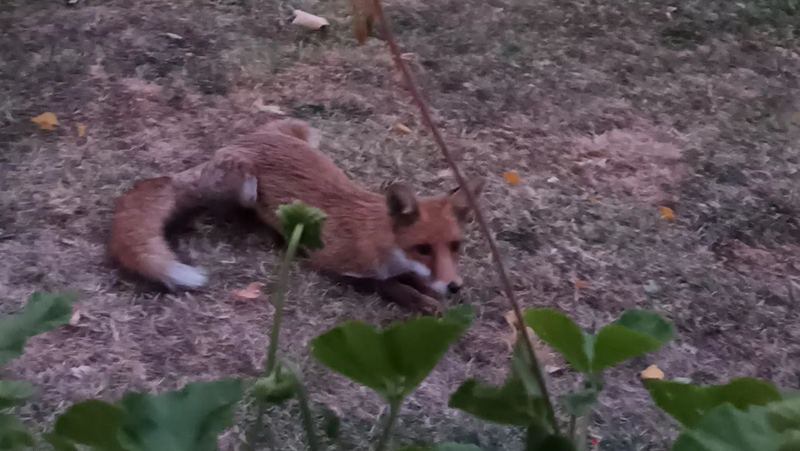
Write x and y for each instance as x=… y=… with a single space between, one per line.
x=186 y=276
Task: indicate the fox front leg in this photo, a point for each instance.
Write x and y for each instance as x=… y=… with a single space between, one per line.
x=398 y=292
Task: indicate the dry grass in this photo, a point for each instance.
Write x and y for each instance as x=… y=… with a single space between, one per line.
x=606 y=109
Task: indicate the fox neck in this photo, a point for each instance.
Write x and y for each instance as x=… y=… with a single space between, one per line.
x=397 y=263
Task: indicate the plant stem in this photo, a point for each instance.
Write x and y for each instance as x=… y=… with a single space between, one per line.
x=479 y=217
x=571 y=430
x=394 y=409
x=279 y=296
x=251 y=438
x=308 y=420
x=583 y=433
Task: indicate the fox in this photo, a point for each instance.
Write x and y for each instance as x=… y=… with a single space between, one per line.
x=407 y=246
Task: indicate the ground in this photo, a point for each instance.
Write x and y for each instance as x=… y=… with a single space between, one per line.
x=607 y=110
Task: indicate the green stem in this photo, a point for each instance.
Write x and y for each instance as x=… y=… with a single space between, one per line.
x=583 y=433
x=394 y=409
x=279 y=296
x=252 y=434
x=571 y=430
x=308 y=421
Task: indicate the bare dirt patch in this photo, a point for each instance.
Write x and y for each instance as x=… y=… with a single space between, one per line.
x=605 y=109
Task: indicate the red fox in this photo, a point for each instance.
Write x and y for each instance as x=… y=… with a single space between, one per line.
x=408 y=246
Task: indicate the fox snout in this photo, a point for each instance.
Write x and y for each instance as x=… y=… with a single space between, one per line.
x=443 y=287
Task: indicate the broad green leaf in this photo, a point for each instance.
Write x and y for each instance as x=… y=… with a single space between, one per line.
x=278 y=387
x=442 y=447
x=560 y=332
x=784 y=415
x=579 y=403
x=636 y=333
x=312 y=219
x=726 y=428
x=185 y=420
x=521 y=368
x=508 y=404
x=13 y=436
x=552 y=443
x=392 y=362
x=92 y=423
x=14 y=392
x=790 y=441
x=42 y=313
x=688 y=403
x=59 y=443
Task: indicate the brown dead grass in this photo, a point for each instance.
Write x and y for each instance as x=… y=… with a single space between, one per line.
x=607 y=110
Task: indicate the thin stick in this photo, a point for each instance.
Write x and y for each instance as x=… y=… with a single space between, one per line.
x=479 y=217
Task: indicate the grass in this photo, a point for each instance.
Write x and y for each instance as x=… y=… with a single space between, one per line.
x=608 y=110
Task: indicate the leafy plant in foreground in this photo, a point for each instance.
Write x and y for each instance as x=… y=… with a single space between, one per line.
x=43 y=312
x=519 y=402
x=392 y=362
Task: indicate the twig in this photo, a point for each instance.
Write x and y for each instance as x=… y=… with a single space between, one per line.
x=479 y=217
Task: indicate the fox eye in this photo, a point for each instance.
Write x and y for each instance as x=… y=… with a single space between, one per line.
x=424 y=249
x=455 y=246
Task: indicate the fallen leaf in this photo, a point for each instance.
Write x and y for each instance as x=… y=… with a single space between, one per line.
x=652 y=372
x=309 y=21
x=174 y=36
x=552 y=369
x=402 y=129
x=552 y=180
x=581 y=284
x=76 y=316
x=45 y=121
x=444 y=173
x=252 y=291
x=274 y=109
x=651 y=287
x=593 y=201
x=512 y=178
x=81 y=130
x=667 y=214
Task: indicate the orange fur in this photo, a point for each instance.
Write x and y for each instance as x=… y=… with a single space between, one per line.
x=366 y=235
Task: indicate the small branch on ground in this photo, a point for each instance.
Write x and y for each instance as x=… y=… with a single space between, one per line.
x=479 y=216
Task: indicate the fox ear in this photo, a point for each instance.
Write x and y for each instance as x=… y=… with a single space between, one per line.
x=458 y=198
x=402 y=203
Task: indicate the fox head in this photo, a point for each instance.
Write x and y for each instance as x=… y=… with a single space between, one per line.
x=428 y=230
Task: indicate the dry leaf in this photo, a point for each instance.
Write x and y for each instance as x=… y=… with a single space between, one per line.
x=652 y=372
x=273 y=109
x=174 y=36
x=81 y=130
x=593 y=201
x=402 y=129
x=76 y=316
x=512 y=178
x=667 y=214
x=309 y=21
x=252 y=291
x=581 y=284
x=553 y=180
x=46 y=121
